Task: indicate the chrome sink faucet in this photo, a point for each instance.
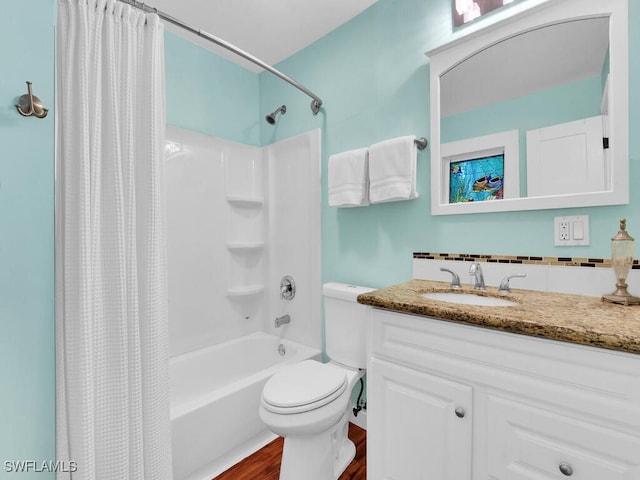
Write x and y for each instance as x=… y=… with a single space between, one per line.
x=476 y=271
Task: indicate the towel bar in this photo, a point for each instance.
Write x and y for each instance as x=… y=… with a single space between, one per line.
x=421 y=143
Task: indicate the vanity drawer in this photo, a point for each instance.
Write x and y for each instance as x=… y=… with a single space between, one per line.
x=527 y=442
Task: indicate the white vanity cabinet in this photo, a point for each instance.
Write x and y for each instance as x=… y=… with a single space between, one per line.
x=448 y=401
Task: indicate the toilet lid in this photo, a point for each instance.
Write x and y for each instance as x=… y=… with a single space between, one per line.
x=304 y=386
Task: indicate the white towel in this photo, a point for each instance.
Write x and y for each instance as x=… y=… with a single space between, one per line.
x=392 y=170
x=349 y=179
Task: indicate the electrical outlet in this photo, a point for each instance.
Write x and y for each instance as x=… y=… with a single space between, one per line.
x=571 y=231
x=564 y=233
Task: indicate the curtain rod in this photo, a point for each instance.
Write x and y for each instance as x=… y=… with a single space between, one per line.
x=315 y=103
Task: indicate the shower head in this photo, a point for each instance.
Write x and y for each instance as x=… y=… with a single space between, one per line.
x=271 y=118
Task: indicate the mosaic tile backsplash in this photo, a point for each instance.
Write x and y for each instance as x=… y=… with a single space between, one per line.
x=532 y=260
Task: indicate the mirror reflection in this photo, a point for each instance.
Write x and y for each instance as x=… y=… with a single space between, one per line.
x=550 y=85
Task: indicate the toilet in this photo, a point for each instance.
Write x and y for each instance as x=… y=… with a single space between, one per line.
x=309 y=403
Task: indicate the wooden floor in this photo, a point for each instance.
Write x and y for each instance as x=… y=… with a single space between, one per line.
x=265 y=463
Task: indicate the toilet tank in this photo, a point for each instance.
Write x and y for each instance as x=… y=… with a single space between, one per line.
x=345 y=322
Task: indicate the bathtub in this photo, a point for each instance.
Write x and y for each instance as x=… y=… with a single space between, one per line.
x=215 y=394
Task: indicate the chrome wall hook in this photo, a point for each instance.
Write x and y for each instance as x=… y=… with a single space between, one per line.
x=30 y=105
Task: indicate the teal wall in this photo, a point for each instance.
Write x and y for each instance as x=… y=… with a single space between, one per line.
x=210 y=94
x=373 y=77
x=27 y=356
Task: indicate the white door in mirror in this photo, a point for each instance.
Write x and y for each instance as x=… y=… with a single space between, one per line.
x=567 y=158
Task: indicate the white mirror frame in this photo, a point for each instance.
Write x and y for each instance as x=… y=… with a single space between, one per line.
x=532 y=15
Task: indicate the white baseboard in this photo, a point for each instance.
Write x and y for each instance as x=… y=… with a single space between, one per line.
x=360 y=420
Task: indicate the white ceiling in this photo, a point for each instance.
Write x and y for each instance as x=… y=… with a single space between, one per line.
x=271 y=30
x=527 y=63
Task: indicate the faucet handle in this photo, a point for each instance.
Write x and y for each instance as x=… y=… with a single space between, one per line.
x=287 y=288
x=504 y=285
x=455 y=279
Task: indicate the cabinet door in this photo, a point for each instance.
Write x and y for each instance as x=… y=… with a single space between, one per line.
x=419 y=425
x=526 y=442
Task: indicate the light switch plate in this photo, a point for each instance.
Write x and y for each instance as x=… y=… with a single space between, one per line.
x=571 y=231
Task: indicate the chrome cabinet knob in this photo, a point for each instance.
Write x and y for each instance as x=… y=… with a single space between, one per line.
x=566 y=469
x=460 y=413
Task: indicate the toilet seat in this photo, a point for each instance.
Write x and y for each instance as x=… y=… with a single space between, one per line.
x=302 y=387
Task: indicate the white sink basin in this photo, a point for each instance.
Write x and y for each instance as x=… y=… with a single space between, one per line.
x=468 y=299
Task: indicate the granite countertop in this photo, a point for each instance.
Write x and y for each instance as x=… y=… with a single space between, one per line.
x=568 y=318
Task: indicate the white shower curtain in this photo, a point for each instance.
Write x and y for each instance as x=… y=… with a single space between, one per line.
x=111 y=322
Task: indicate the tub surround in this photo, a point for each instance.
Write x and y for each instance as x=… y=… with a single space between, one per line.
x=555 y=316
x=228 y=211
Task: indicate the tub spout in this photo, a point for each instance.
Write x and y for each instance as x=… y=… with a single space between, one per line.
x=282 y=320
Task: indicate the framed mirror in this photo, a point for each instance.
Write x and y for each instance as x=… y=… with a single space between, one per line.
x=532 y=112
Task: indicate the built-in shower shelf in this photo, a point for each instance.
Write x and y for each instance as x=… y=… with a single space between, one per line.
x=245 y=246
x=245 y=201
x=245 y=291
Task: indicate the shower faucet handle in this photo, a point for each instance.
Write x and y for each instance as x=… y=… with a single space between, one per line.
x=287 y=288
